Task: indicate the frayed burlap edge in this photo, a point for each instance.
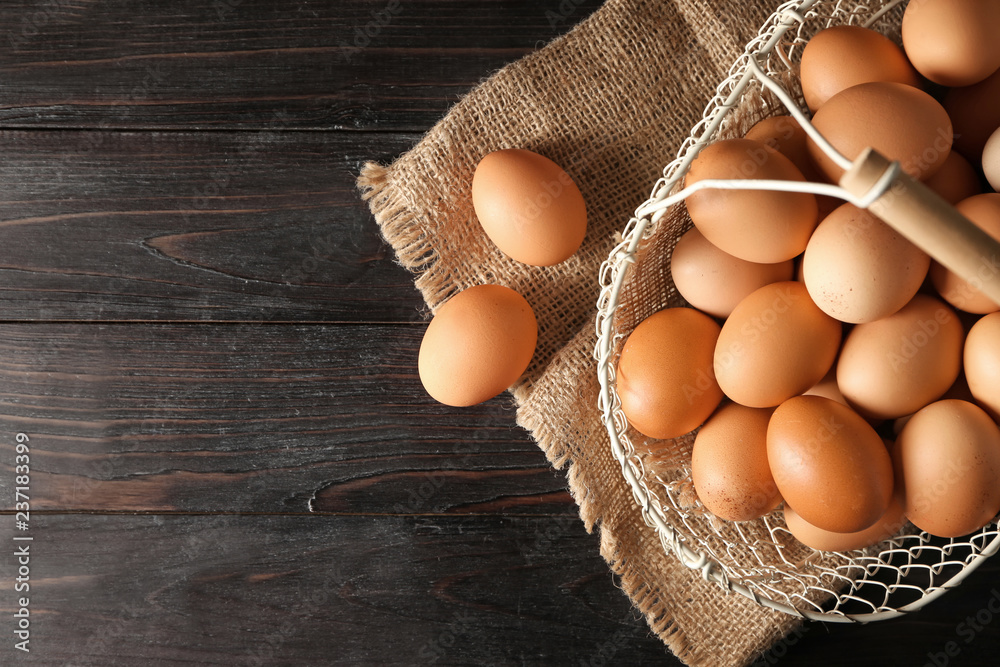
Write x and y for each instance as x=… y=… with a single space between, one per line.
x=395 y=218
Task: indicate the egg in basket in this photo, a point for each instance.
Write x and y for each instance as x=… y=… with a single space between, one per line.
x=798 y=335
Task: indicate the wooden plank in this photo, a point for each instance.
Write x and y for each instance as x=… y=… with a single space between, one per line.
x=254 y=418
x=255 y=226
x=320 y=64
x=277 y=590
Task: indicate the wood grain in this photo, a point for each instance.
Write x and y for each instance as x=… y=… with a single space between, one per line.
x=241 y=64
x=254 y=226
x=254 y=418
x=239 y=591
x=347 y=590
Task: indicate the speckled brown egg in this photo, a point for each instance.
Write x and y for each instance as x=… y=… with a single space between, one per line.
x=529 y=206
x=729 y=464
x=897 y=365
x=901 y=122
x=982 y=363
x=948 y=461
x=843 y=56
x=984 y=211
x=859 y=269
x=664 y=376
x=479 y=342
x=776 y=344
x=755 y=225
x=829 y=464
x=714 y=281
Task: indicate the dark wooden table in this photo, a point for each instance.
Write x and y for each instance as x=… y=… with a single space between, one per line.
x=212 y=359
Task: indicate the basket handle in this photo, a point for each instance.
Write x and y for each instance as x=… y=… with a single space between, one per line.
x=927 y=220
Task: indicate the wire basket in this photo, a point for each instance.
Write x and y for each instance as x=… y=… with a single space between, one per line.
x=758 y=559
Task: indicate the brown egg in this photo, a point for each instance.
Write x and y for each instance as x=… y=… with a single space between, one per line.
x=859 y=269
x=665 y=378
x=955 y=180
x=984 y=211
x=824 y=540
x=479 y=342
x=829 y=464
x=776 y=344
x=755 y=225
x=975 y=112
x=901 y=122
x=991 y=159
x=729 y=464
x=948 y=461
x=529 y=207
x=953 y=42
x=982 y=363
x=785 y=135
x=827 y=387
x=714 y=281
x=843 y=56
x=959 y=390
x=897 y=365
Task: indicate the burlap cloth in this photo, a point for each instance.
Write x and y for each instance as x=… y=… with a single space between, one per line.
x=611 y=102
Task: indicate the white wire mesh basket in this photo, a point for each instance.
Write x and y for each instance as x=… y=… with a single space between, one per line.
x=758 y=559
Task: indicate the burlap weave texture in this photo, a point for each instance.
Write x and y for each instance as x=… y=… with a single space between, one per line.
x=611 y=102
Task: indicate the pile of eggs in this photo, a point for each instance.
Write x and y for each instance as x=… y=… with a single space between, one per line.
x=831 y=365
x=482 y=339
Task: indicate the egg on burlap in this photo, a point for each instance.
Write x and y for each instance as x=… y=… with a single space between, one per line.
x=478 y=343
x=529 y=206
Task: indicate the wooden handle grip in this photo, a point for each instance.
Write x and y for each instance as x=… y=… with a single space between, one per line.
x=929 y=222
